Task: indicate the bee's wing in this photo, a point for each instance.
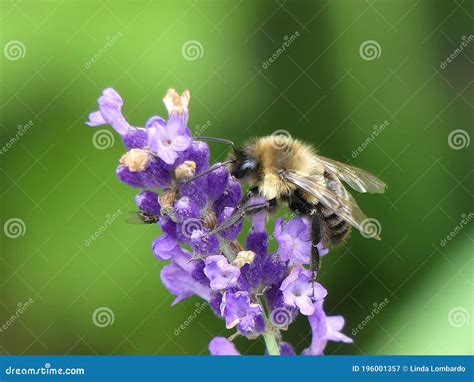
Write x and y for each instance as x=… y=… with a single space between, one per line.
x=134 y=217
x=358 y=179
x=342 y=204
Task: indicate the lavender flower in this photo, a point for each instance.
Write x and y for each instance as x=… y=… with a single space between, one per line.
x=256 y=293
x=238 y=311
x=222 y=346
x=221 y=274
x=324 y=328
x=298 y=290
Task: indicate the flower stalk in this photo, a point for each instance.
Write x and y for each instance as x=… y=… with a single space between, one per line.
x=271 y=342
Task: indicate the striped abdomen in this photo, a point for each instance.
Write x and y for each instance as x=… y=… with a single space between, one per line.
x=334 y=228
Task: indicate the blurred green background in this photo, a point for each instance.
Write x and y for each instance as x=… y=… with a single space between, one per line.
x=324 y=88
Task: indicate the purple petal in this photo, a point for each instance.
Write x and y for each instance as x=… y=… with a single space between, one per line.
x=181 y=283
x=221 y=274
x=222 y=346
x=95 y=119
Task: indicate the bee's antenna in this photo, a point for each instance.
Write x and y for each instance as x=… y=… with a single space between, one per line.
x=213 y=168
x=213 y=139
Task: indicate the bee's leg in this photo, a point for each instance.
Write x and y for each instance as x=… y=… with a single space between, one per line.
x=316 y=236
x=248 y=210
x=246 y=198
x=240 y=205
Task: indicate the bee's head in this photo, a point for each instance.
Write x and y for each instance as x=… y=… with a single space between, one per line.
x=244 y=164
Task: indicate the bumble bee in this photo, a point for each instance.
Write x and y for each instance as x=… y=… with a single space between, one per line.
x=282 y=169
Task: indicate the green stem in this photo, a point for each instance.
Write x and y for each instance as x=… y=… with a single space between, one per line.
x=271 y=343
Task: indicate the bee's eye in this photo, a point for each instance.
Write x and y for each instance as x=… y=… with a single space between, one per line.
x=244 y=168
